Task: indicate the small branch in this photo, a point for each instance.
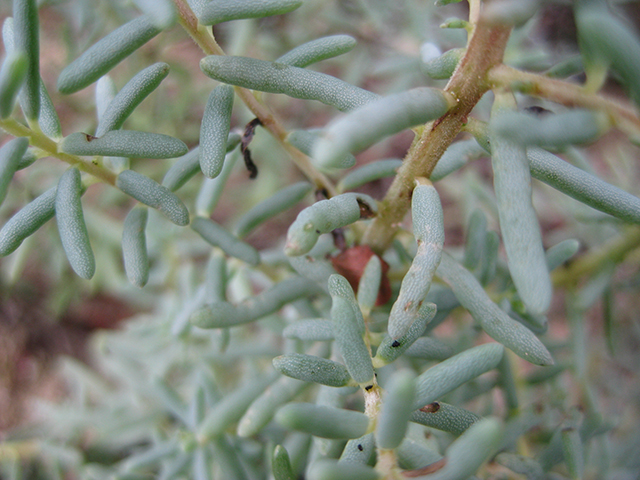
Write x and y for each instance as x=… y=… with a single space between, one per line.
x=468 y=84
x=207 y=43
x=612 y=252
x=44 y=143
x=565 y=93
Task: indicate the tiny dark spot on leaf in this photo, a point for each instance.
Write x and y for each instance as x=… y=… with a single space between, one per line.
x=431 y=408
x=360 y=447
x=395 y=344
x=368 y=387
x=89 y=137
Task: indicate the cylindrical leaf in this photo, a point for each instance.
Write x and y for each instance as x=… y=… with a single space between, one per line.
x=369 y=172
x=272 y=206
x=397 y=403
x=214 y=130
x=583 y=186
x=218 y=11
x=378 y=119
x=455 y=157
x=316 y=329
x=73 y=230
x=561 y=252
x=390 y=348
x=134 y=247
x=218 y=236
x=27 y=221
x=131 y=95
x=310 y=368
x=325 y=422
x=493 y=320
x=224 y=314
x=470 y=450
x=445 y=417
x=232 y=407
x=26 y=40
x=348 y=328
x=280 y=464
x=556 y=130
x=429 y=348
x=518 y=222
x=263 y=408
x=11 y=154
x=154 y=195
x=323 y=217
x=100 y=58
x=442 y=67
x=332 y=470
x=162 y=13
x=12 y=76
x=304 y=140
x=428 y=229
x=212 y=188
x=124 y=143
x=280 y=78
x=317 y=50
x=453 y=372
x=359 y=450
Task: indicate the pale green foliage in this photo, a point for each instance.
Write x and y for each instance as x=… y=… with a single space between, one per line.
x=283 y=335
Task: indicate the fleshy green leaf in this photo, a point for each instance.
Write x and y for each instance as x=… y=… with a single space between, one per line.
x=321 y=421
x=317 y=50
x=280 y=78
x=124 y=143
x=100 y=58
x=71 y=225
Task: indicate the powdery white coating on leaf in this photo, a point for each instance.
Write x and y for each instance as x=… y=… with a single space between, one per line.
x=101 y=57
x=321 y=421
x=455 y=371
x=71 y=225
x=10 y=155
x=27 y=221
x=214 y=130
x=317 y=50
x=582 y=186
x=519 y=224
x=218 y=11
x=314 y=329
x=428 y=229
x=277 y=203
x=377 y=119
x=448 y=418
x=131 y=95
x=280 y=78
x=493 y=320
x=312 y=369
x=154 y=195
x=105 y=92
x=124 y=143
x=134 y=246
x=218 y=236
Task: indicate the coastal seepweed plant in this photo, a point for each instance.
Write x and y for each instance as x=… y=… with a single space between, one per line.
x=345 y=341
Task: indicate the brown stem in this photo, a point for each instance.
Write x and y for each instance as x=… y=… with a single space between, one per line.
x=468 y=84
x=209 y=46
